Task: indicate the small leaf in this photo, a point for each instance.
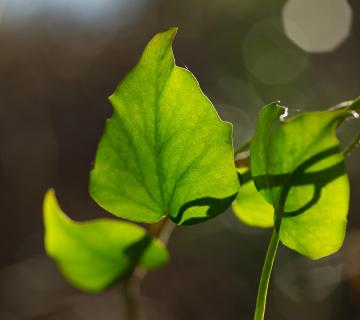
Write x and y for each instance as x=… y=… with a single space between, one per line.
x=165 y=150
x=299 y=168
x=93 y=255
x=249 y=206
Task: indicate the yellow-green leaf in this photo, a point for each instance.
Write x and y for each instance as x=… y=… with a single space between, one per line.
x=165 y=151
x=299 y=168
x=93 y=255
x=249 y=206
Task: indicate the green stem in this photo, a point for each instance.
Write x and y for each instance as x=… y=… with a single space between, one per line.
x=352 y=145
x=131 y=292
x=243 y=147
x=242 y=156
x=265 y=276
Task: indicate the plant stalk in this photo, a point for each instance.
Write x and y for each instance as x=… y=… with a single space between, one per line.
x=131 y=293
x=265 y=276
x=353 y=144
x=161 y=230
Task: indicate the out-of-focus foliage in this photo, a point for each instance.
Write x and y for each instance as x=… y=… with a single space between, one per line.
x=93 y=255
x=249 y=206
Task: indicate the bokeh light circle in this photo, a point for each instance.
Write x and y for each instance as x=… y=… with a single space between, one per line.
x=317 y=26
x=269 y=56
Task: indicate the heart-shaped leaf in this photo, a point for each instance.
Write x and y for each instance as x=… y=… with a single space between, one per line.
x=93 y=255
x=165 y=150
x=299 y=168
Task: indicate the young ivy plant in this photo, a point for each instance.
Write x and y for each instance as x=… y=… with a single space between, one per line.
x=166 y=158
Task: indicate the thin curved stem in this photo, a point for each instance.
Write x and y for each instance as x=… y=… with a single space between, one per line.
x=131 y=288
x=244 y=147
x=353 y=144
x=265 y=276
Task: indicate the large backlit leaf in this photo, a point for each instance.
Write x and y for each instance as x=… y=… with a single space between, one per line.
x=165 y=149
x=249 y=206
x=93 y=255
x=298 y=167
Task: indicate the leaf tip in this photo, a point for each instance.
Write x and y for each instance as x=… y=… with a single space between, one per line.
x=49 y=193
x=171 y=31
x=49 y=202
x=52 y=212
x=167 y=36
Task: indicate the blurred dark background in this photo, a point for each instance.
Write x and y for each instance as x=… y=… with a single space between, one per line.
x=61 y=59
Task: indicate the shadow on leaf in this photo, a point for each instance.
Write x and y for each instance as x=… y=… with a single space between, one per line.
x=319 y=179
x=215 y=207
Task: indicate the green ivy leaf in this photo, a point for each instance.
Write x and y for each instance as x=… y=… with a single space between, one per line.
x=249 y=206
x=165 y=150
x=299 y=168
x=93 y=255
